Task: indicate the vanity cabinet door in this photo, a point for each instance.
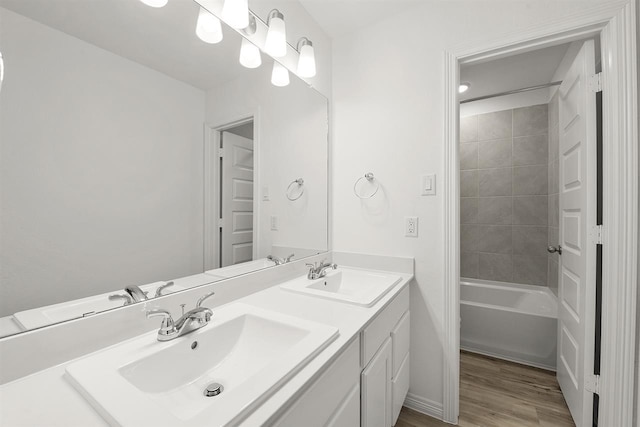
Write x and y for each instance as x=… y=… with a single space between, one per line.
x=376 y=389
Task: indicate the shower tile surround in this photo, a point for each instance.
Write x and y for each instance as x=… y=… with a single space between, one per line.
x=505 y=203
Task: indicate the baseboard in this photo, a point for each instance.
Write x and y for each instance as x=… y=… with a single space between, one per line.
x=424 y=406
x=520 y=361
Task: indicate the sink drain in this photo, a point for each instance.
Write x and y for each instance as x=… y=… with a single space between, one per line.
x=213 y=389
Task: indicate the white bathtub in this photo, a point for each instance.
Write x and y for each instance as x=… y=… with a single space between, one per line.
x=509 y=321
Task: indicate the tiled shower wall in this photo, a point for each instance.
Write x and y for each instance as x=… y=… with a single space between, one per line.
x=553 y=190
x=504 y=206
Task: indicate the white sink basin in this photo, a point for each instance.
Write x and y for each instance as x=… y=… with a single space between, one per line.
x=346 y=285
x=250 y=351
x=82 y=307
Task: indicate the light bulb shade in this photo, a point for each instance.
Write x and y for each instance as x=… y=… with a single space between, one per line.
x=236 y=13
x=276 y=43
x=279 y=75
x=250 y=54
x=155 y=3
x=307 y=61
x=208 y=27
x=463 y=87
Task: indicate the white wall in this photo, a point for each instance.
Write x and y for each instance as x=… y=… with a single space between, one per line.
x=100 y=170
x=388 y=119
x=292 y=141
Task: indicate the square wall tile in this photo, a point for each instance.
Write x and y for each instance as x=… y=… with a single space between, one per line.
x=469 y=238
x=469 y=183
x=530 y=241
x=469 y=265
x=468 y=210
x=531 y=150
x=554 y=211
x=530 y=270
x=494 y=239
x=495 y=182
x=468 y=129
x=494 y=125
x=497 y=267
x=495 y=153
x=495 y=210
x=554 y=142
x=553 y=111
x=530 y=120
x=554 y=184
x=530 y=210
x=530 y=180
x=469 y=156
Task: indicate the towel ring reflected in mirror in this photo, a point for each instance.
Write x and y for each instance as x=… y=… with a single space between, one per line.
x=300 y=183
x=369 y=177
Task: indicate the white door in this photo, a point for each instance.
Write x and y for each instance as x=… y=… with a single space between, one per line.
x=237 y=200
x=376 y=389
x=576 y=327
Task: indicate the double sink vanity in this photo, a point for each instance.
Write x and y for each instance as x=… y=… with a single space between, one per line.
x=324 y=349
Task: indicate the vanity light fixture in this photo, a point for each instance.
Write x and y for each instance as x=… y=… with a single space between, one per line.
x=464 y=86
x=279 y=75
x=276 y=42
x=250 y=54
x=236 y=13
x=208 y=27
x=306 y=58
x=155 y=3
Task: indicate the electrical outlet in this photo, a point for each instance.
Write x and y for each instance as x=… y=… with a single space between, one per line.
x=274 y=223
x=411 y=226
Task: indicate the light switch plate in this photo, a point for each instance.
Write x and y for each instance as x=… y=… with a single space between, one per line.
x=274 y=223
x=265 y=194
x=411 y=226
x=428 y=183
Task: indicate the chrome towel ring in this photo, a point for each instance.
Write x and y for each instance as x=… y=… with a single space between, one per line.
x=300 y=183
x=371 y=179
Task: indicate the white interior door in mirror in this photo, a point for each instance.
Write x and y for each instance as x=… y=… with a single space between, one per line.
x=577 y=214
x=237 y=199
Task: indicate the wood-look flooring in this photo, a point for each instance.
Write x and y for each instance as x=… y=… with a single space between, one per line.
x=497 y=393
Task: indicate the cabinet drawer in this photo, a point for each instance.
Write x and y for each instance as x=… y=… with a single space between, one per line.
x=400 y=388
x=380 y=329
x=400 y=338
x=325 y=398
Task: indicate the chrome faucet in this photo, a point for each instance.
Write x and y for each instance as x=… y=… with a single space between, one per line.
x=280 y=261
x=190 y=321
x=318 y=271
x=136 y=293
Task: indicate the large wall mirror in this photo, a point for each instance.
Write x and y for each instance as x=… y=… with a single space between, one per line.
x=138 y=160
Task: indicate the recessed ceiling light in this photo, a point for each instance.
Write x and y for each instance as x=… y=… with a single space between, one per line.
x=464 y=87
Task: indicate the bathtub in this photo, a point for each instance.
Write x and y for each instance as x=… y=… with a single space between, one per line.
x=509 y=321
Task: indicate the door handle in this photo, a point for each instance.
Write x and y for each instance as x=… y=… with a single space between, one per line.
x=552 y=249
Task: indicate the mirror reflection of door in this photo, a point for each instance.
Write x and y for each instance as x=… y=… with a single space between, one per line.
x=236 y=188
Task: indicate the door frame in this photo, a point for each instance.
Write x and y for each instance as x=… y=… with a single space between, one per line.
x=212 y=137
x=614 y=24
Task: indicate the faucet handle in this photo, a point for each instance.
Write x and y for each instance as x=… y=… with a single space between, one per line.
x=167 y=327
x=204 y=297
x=162 y=288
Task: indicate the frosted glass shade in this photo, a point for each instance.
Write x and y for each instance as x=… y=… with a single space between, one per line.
x=250 y=54
x=276 y=43
x=155 y=3
x=208 y=27
x=236 y=13
x=307 y=61
x=279 y=75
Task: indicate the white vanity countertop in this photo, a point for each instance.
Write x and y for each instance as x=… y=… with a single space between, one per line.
x=47 y=398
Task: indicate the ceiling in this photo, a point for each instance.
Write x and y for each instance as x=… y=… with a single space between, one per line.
x=513 y=72
x=339 y=17
x=162 y=39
